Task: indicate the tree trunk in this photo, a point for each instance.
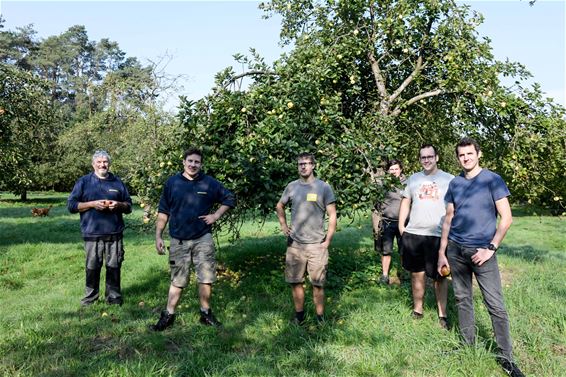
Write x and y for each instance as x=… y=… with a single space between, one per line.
x=24 y=195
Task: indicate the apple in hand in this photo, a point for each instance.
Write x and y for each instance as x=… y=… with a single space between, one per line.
x=445 y=271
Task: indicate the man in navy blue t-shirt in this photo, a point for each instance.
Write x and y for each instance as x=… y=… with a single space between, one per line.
x=470 y=238
x=186 y=203
x=101 y=198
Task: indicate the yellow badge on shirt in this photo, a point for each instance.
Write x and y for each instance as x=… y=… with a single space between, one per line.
x=311 y=197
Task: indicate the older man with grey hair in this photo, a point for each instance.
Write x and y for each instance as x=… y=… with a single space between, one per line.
x=101 y=198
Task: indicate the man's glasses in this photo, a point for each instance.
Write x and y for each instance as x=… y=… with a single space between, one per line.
x=424 y=158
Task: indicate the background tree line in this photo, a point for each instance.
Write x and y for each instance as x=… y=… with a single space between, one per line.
x=64 y=96
x=364 y=81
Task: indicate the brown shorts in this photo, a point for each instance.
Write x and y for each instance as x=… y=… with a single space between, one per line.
x=310 y=257
x=200 y=252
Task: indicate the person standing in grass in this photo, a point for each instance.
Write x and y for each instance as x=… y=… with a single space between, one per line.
x=307 y=242
x=385 y=221
x=101 y=198
x=186 y=203
x=470 y=239
x=423 y=198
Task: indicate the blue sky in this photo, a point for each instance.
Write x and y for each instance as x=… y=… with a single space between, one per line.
x=202 y=36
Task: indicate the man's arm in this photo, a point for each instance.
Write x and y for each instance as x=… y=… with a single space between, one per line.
x=280 y=209
x=98 y=205
x=160 y=224
x=404 y=210
x=213 y=217
x=331 y=211
x=442 y=260
x=505 y=221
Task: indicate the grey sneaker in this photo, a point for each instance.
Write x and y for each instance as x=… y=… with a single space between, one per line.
x=417 y=315
x=165 y=321
x=384 y=280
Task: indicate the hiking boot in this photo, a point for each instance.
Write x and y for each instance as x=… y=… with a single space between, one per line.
x=443 y=322
x=165 y=321
x=208 y=319
x=299 y=318
x=384 y=280
x=510 y=368
x=417 y=315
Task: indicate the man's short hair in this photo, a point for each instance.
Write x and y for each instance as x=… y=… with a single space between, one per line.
x=428 y=146
x=466 y=141
x=192 y=150
x=101 y=153
x=306 y=155
x=392 y=162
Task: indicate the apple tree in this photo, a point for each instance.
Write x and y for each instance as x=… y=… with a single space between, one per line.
x=26 y=128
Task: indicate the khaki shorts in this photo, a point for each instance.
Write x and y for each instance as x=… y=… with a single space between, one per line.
x=310 y=257
x=200 y=252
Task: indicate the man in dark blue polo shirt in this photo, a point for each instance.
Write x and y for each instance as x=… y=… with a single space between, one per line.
x=101 y=198
x=186 y=203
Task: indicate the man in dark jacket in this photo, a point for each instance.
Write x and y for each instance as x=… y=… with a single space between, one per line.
x=101 y=197
x=186 y=203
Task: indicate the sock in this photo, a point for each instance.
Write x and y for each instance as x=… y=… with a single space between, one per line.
x=300 y=315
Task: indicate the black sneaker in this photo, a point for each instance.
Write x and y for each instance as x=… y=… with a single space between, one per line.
x=165 y=321
x=510 y=368
x=208 y=319
x=443 y=322
x=384 y=280
x=417 y=315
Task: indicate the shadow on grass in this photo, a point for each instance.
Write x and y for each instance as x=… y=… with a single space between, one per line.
x=530 y=254
x=58 y=227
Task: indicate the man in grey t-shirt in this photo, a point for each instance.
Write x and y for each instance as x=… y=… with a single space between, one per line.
x=424 y=200
x=307 y=243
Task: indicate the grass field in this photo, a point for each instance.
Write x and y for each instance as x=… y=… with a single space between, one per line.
x=45 y=332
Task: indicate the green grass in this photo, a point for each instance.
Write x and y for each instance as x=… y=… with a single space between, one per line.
x=369 y=332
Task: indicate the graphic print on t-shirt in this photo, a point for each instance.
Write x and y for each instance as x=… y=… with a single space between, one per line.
x=311 y=197
x=429 y=191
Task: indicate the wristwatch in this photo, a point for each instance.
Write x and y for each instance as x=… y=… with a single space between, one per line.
x=492 y=247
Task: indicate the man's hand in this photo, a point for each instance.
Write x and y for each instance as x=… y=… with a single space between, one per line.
x=160 y=246
x=100 y=205
x=209 y=219
x=325 y=244
x=442 y=261
x=112 y=205
x=285 y=230
x=482 y=256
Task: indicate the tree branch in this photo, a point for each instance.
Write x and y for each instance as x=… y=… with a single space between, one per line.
x=233 y=79
x=431 y=93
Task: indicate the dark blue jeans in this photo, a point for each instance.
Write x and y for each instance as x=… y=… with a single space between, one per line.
x=489 y=281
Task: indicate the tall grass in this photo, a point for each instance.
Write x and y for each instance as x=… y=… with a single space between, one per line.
x=45 y=332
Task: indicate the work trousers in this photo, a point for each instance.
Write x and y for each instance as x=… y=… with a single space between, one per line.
x=110 y=252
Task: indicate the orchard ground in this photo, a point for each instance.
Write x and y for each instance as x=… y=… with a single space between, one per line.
x=369 y=330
